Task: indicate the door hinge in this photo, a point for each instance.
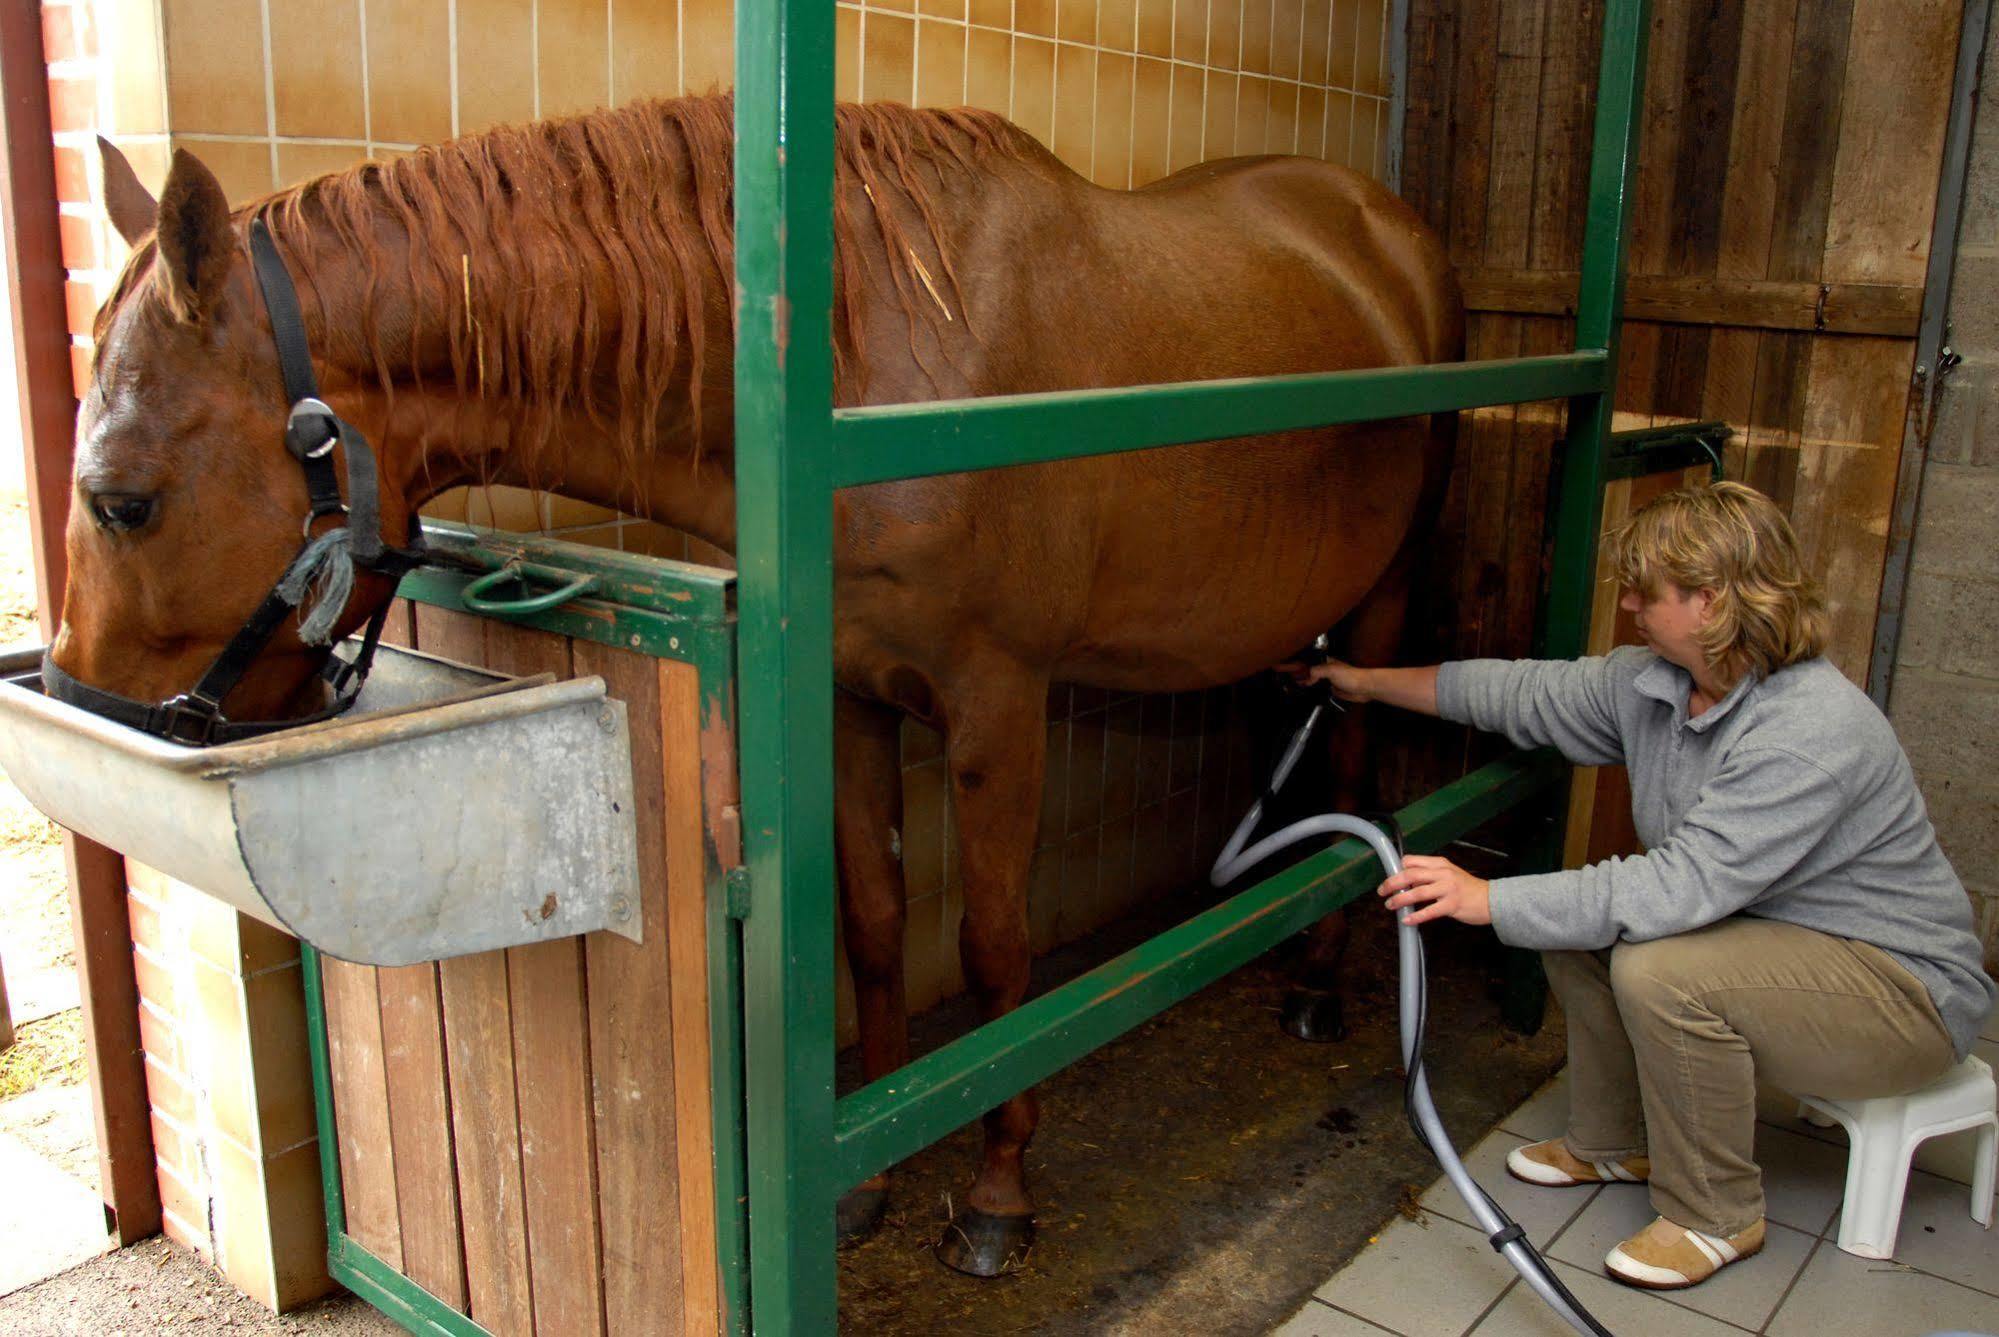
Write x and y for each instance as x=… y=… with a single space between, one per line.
x=736 y=892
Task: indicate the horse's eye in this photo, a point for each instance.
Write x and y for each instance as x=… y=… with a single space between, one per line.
x=121 y=512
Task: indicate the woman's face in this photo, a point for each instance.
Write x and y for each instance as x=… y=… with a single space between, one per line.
x=1670 y=621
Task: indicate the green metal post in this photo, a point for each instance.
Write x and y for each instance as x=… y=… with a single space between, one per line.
x=313 y=982
x=1600 y=308
x=784 y=413
x=1565 y=614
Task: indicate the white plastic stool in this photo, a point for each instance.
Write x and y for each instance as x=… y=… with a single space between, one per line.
x=1884 y=1134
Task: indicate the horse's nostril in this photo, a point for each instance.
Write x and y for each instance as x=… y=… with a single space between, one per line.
x=121 y=512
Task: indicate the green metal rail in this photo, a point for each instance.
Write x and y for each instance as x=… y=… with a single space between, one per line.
x=793 y=450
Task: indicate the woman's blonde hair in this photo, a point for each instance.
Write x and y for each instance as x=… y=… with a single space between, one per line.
x=1767 y=613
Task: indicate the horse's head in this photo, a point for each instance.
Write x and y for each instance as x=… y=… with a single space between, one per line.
x=187 y=506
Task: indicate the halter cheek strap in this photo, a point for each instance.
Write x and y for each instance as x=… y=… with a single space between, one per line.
x=312 y=430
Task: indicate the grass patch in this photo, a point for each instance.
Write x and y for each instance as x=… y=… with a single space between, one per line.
x=48 y=1052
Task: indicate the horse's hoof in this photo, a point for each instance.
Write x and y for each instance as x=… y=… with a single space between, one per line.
x=859 y=1212
x=980 y=1244
x=1315 y=1015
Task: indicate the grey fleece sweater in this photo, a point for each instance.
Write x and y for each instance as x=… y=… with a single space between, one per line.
x=1790 y=799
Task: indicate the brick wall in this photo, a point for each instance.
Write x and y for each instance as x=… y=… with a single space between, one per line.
x=1945 y=703
x=222 y=1020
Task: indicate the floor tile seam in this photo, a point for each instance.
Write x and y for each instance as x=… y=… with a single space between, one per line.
x=1791 y=1286
x=1362 y=1318
x=1494 y=1304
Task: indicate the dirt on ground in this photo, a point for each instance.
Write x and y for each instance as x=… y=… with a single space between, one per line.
x=156 y=1286
x=1206 y=1172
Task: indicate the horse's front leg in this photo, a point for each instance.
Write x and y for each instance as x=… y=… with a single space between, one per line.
x=867 y=813
x=996 y=751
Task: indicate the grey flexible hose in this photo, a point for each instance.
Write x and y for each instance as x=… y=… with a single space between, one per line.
x=1500 y=1229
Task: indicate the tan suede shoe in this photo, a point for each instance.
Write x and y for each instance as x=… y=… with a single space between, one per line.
x=1550 y=1165
x=1669 y=1257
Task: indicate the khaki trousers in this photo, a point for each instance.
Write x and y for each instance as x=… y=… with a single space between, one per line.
x=1667 y=1040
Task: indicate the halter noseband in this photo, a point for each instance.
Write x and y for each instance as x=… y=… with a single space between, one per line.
x=312 y=430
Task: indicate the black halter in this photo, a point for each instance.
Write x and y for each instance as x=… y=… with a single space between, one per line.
x=311 y=432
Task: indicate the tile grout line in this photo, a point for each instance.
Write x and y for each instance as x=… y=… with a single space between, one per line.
x=1496 y=1301
x=1359 y=1318
x=1792 y=1285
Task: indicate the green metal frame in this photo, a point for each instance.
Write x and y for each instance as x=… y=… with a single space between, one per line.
x=669 y=610
x=793 y=449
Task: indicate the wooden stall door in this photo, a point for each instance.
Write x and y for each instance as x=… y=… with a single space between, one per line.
x=527 y=1134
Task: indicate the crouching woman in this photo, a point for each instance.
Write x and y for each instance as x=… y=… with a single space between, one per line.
x=1792 y=917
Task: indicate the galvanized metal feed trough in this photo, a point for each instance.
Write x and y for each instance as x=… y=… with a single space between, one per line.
x=453 y=811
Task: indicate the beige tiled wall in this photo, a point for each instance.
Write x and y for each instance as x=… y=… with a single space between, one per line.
x=1125 y=91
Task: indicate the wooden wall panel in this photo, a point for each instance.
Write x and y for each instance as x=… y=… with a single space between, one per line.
x=529 y=1134
x=1785 y=142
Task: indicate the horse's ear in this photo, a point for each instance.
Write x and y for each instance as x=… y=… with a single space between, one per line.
x=197 y=243
x=130 y=205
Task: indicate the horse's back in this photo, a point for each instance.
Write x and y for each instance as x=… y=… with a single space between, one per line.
x=1360 y=232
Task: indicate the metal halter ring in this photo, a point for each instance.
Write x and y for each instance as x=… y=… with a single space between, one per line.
x=315 y=408
x=305 y=530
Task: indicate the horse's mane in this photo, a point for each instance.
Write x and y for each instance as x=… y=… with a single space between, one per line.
x=504 y=224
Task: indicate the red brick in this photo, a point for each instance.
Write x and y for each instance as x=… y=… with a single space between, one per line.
x=79 y=241
x=59 y=36
x=174 y=1150
x=168 y=1093
x=186 y=1211
x=81 y=300
x=79 y=368
x=156 y=985
x=160 y=1038
x=72 y=177
x=140 y=911
x=73 y=103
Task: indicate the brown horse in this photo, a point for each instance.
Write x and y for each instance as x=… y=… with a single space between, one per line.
x=551 y=305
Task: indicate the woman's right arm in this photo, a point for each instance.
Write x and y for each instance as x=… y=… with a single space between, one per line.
x=1564 y=704
x=1406 y=688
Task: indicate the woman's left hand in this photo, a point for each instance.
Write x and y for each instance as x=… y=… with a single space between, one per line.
x=1443 y=889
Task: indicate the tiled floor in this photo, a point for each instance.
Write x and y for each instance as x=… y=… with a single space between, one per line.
x=1436 y=1276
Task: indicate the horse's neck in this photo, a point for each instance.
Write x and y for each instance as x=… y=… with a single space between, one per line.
x=433 y=438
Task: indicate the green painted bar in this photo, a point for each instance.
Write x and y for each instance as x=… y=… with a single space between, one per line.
x=908 y=1110
x=877 y=444
x=395 y=1294
x=322 y=1094
x=1578 y=495
x=784 y=551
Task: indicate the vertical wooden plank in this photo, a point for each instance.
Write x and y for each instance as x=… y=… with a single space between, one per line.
x=551 y=1043
x=1749 y=198
x=361 y=1108
x=1902 y=58
x=1813 y=128
x=479 y=1060
x=1561 y=180
x=1516 y=96
x=700 y=789
x=1847 y=462
x=485 y=1128
x=1482 y=572
x=420 y=1131
x=632 y=1020
x=1472 y=107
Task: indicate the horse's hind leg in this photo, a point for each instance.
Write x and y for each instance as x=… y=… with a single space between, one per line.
x=867 y=813
x=1371 y=636
x=996 y=752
